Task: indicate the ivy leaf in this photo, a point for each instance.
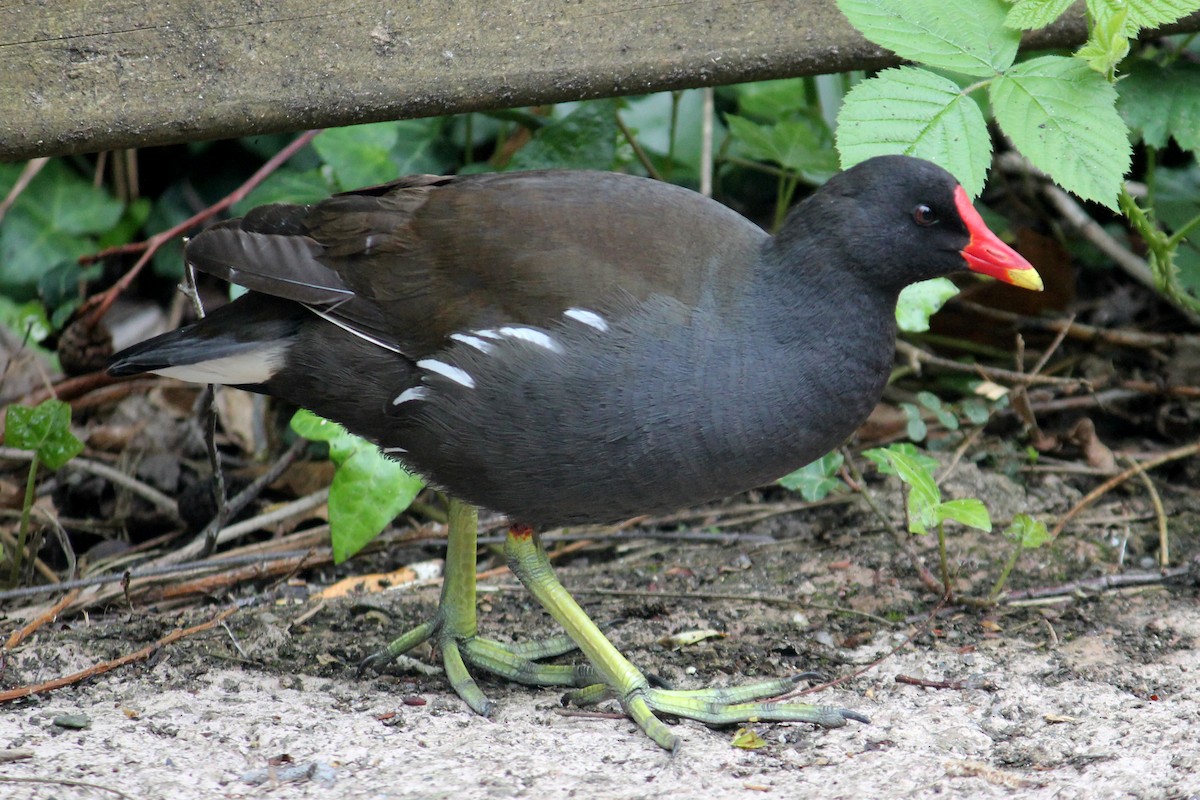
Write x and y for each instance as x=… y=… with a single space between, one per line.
x=973 y=43
x=287 y=186
x=878 y=455
x=368 y=490
x=1029 y=15
x=1062 y=116
x=924 y=497
x=1158 y=115
x=920 y=301
x=794 y=144
x=359 y=155
x=1027 y=531
x=584 y=139
x=816 y=480
x=915 y=112
x=45 y=429
x=968 y=511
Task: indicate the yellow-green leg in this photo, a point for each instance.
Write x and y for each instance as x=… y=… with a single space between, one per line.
x=528 y=561
x=453 y=630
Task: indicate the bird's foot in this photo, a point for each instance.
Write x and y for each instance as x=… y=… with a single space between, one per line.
x=638 y=695
x=462 y=650
x=725 y=706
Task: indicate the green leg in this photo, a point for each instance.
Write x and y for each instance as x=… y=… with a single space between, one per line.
x=528 y=561
x=454 y=626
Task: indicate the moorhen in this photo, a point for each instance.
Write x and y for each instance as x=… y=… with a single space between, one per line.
x=579 y=347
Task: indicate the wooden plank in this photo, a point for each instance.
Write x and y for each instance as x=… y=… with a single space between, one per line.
x=94 y=75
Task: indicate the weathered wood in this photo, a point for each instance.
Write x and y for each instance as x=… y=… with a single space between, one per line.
x=103 y=74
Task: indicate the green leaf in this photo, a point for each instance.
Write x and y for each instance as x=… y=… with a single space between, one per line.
x=920 y=301
x=1161 y=102
x=1150 y=13
x=584 y=139
x=1107 y=43
x=421 y=148
x=25 y=317
x=747 y=739
x=816 y=480
x=1031 y=14
x=968 y=511
x=916 y=429
x=796 y=145
x=53 y=221
x=287 y=186
x=1027 y=531
x=368 y=489
x=1062 y=116
x=944 y=415
x=359 y=155
x=915 y=112
x=924 y=497
x=974 y=41
x=45 y=429
x=879 y=457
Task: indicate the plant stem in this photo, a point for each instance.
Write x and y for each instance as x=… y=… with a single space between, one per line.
x=943 y=561
x=998 y=586
x=23 y=529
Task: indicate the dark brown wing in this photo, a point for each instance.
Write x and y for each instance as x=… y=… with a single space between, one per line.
x=408 y=263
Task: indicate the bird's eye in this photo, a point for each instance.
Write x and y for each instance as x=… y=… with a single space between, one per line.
x=923 y=215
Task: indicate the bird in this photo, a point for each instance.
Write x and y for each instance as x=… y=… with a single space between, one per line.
x=570 y=347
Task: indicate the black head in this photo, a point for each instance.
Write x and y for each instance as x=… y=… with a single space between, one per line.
x=895 y=220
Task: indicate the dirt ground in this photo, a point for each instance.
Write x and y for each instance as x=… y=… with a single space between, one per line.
x=1085 y=695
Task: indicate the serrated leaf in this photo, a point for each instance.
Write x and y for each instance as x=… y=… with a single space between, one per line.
x=1149 y=13
x=968 y=511
x=1027 y=531
x=584 y=139
x=915 y=112
x=1028 y=15
x=974 y=42
x=920 y=301
x=1062 y=116
x=368 y=490
x=1160 y=102
x=1107 y=44
x=45 y=429
x=816 y=480
x=359 y=155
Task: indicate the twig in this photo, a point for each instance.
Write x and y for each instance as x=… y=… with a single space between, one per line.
x=1160 y=514
x=30 y=171
x=641 y=155
x=916 y=354
x=1095 y=585
x=45 y=618
x=1116 y=480
x=1077 y=330
x=66 y=782
x=149 y=493
x=988 y=686
x=109 y=666
x=98 y=306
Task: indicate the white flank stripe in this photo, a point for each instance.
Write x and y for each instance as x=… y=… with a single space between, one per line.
x=394 y=450
x=487 y=333
x=414 y=393
x=473 y=341
x=589 y=318
x=459 y=376
x=533 y=336
x=256 y=366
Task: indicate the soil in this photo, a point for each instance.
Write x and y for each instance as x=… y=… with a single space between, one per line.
x=1083 y=695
